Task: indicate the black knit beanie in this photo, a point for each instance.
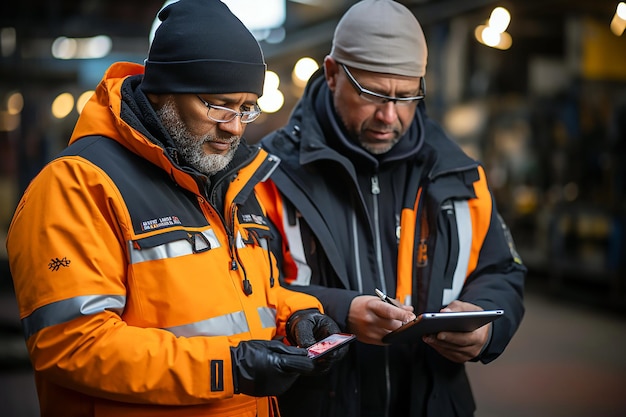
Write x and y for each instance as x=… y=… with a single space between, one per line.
x=202 y=47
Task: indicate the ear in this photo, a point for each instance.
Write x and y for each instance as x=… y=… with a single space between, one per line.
x=331 y=69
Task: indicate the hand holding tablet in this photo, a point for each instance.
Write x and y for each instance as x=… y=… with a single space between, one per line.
x=430 y=323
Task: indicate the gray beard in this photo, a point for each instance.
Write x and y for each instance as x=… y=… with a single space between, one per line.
x=190 y=146
x=378 y=151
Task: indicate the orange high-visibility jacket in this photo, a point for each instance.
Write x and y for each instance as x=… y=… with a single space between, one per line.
x=131 y=285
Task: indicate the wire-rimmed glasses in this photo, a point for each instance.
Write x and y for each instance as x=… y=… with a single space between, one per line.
x=378 y=98
x=224 y=114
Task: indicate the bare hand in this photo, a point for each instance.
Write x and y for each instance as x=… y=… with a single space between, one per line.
x=370 y=318
x=459 y=346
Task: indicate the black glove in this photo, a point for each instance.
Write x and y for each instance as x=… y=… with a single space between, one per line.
x=264 y=368
x=305 y=327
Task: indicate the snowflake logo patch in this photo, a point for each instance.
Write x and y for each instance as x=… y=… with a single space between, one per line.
x=57 y=263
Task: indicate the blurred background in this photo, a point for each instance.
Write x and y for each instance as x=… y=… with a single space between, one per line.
x=535 y=89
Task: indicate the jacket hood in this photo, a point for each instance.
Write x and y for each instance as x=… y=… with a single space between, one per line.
x=110 y=113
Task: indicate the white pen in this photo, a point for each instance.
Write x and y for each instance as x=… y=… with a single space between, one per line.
x=386 y=298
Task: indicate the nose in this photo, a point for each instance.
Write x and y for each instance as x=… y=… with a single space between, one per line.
x=387 y=112
x=234 y=127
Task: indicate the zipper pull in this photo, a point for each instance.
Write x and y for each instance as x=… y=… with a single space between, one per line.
x=233 y=261
x=375 y=186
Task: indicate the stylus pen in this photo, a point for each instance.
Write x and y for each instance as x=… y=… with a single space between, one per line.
x=386 y=298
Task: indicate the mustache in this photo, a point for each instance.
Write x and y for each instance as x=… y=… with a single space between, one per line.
x=383 y=128
x=232 y=140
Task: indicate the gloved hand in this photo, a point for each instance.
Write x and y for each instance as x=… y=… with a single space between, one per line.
x=267 y=367
x=305 y=327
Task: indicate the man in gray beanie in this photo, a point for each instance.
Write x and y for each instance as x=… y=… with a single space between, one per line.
x=140 y=254
x=372 y=195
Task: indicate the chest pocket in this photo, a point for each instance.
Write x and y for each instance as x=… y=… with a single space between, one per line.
x=253 y=225
x=172 y=244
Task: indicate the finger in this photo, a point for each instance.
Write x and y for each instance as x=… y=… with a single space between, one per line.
x=282 y=348
x=306 y=339
x=447 y=351
x=460 y=339
x=298 y=364
x=388 y=312
x=452 y=351
x=457 y=305
x=304 y=333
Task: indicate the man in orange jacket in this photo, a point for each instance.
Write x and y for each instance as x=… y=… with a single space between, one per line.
x=140 y=254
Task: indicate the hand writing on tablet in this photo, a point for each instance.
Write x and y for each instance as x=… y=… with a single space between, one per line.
x=370 y=318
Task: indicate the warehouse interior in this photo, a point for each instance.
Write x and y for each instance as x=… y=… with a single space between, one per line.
x=545 y=113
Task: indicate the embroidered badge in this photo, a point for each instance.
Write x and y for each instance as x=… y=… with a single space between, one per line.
x=509 y=240
x=253 y=218
x=57 y=263
x=160 y=223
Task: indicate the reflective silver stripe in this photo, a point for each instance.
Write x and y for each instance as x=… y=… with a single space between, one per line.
x=464 y=229
x=226 y=325
x=355 y=252
x=268 y=317
x=263 y=243
x=294 y=238
x=273 y=159
x=168 y=250
x=239 y=243
x=66 y=310
x=211 y=238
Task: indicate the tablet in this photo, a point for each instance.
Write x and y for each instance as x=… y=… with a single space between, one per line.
x=429 y=323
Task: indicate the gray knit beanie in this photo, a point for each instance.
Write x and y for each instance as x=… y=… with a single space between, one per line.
x=381 y=36
x=202 y=47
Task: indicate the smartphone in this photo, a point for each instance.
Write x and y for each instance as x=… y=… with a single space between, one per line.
x=332 y=342
x=430 y=323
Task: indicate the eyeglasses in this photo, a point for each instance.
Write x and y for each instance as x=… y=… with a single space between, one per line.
x=378 y=98
x=224 y=114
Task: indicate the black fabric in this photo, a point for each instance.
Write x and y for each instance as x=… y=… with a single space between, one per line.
x=201 y=47
x=138 y=112
x=141 y=183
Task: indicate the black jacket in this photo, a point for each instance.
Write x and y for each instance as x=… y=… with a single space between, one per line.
x=354 y=221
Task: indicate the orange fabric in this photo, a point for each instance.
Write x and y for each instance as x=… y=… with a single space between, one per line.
x=480 y=222
x=406 y=250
